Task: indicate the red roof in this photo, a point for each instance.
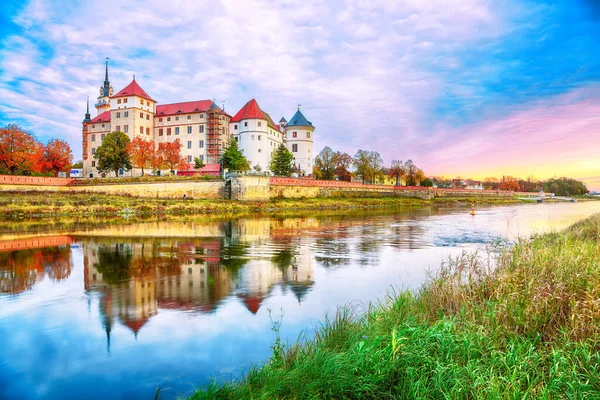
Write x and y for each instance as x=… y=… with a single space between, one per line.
x=252 y=302
x=134 y=325
x=133 y=89
x=252 y=111
x=183 y=108
x=104 y=117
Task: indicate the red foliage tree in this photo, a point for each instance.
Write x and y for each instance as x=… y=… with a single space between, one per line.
x=141 y=153
x=56 y=157
x=509 y=183
x=18 y=149
x=170 y=154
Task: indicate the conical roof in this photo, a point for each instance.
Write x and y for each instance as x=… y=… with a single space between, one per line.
x=299 y=120
x=133 y=89
x=252 y=110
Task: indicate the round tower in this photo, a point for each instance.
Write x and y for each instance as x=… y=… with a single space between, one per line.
x=299 y=133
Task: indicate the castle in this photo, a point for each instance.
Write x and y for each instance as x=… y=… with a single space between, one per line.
x=202 y=126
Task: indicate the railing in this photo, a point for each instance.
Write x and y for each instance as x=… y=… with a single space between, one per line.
x=33 y=180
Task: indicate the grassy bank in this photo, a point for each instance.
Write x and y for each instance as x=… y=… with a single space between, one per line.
x=529 y=328
x=20 y=205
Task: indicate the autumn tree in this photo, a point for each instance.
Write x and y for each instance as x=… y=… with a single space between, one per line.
x=491 y=183
x=170 y=152
x=343 y=162
x=509 y=183
x=141 y=152
x=233 y=159
x=397 y=171
x=56 y=157
x=18 y=149
x=369 y=165
x=281 y=161
x=325 y=164
x=112 y=154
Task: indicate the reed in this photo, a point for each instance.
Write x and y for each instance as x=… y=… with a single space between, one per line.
x=518 y=322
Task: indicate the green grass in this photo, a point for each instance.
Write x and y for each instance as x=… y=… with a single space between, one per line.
x=523 y=324
x=21 y=205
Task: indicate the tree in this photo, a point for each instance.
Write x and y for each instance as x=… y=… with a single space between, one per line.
x=397 y=171
x=491 y=183
x=343 y=161
x=112 y=153
x=56 y=157
x=170 y=153
x=414 y=175
x=369 y=165
x=326 y=163
x=281 y=161
x=198 y=163
x=509 y=183
x=233 y=159
x=565 y=187
x=18 y=149
x=419 y=176
x=78 y=164
x=141 y=152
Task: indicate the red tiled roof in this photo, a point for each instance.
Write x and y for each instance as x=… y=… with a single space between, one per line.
x=134 y=325
x=252 y=302
x=133 y=89
x=104 y=117
x=183 y=108
x=253 y=111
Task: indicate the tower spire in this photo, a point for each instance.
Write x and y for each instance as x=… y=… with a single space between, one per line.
x=106 y=76
x=88 y=117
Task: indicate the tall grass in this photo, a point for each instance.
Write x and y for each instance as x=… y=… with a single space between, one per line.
x=522 y=324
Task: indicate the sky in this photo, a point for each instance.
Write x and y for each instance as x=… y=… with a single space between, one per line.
x=469 y=88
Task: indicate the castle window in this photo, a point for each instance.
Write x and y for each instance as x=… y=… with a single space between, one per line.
x=93 y=164
x=177 y=130
x=252 y=137
x=168 y=119
x=237 y=139
x=160 y=120
x=102 y=136
x=148 y=103
x=235 y=126
x=308 y=135
x=118 y=114
x=294 y=134
x=245 y=124
x=177 y=118
x=189 y=158
x=93 y=126
x=168 y=131
x=125 y=114
x=201 y=144
x=147 y=131
x=93 y=138
x=125 y=100
x=118 y=101
x=189 y=117
x=118 y=128
x=147 y=117
x=201 y=128
x=160 y=132
x=260 y=150
x=189 y=144
x=189 y=129
x=201 y=115
x=141 y=130
x=295 y=147
x=126 y=128
x=93 y=150
x=259 y=123
x=202 y=157
x=142 y=115
x=103 y=125
x=259 y=137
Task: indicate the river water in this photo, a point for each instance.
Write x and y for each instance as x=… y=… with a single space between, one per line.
x=113 y=309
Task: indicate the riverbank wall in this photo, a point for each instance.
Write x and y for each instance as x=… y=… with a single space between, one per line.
x=241 y=188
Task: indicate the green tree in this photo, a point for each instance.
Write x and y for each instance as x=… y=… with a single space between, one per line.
x=198 y=163
x=233 y=159
x=281 y=161
x=369 y=165
x=325 y=163
x=112 y=154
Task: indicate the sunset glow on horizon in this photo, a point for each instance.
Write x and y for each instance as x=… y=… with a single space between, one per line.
x=474 y=90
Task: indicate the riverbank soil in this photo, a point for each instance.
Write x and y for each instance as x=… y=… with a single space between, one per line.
x=19 y=205
x=524 y=325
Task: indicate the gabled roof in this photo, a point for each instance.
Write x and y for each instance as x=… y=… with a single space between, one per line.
x=133 y=89
x=299 y=120
x=187 y=107
x=282 y=120
x=253 y=111
x=104 y=117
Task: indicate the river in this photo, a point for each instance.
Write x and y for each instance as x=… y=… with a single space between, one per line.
x=113 y=309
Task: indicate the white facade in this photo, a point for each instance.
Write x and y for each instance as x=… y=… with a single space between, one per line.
x=299 y=141
x=257 y=140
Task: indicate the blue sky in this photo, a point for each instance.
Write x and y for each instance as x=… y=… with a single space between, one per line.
x=465 y=87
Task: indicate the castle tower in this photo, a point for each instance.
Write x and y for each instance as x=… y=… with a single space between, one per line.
x=299 y=140
x=132 y=112
x=106 y=91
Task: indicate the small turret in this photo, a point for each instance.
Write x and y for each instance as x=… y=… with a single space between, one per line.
x=106 y=91
x=88 y=117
